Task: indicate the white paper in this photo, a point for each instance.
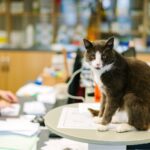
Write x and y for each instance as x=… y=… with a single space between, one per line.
x=61 y=144
x=17 y=142
x=34 y=108
x=49 y=98
x=12 y=110
x=81 y=118
x=19 y=126
x=71 y=118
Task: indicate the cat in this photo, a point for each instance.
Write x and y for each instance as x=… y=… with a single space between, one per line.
x=124 y=83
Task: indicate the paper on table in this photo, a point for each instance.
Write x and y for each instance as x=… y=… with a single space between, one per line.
x=12 y=110
x=19 y=126
x=73 y=119
x=62 y=144
x=16 y=142
x=34 y=108
x=80 y=118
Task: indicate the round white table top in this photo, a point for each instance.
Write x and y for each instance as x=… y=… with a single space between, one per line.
x=94 y=136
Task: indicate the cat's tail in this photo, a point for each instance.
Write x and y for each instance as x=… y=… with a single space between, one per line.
x=93 y=112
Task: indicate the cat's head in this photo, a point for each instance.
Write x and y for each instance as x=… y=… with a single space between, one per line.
x=99 y=53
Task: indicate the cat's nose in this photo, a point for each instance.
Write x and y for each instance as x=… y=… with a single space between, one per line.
x=97 y=65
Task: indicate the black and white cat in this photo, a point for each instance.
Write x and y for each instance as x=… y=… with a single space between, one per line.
x=125 y=86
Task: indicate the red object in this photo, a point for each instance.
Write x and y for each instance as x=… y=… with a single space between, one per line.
x=97 y=93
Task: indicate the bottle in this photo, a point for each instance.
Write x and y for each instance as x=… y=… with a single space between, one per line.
x=36 y=6
x=29 y=36
x=97 y=93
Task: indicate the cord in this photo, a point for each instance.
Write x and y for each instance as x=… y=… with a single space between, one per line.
x=70 y=81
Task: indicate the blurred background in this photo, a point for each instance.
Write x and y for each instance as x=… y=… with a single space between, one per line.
x=41 y=46
x=39 y=24
x=33 y=31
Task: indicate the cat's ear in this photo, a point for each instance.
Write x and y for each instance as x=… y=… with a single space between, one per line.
x=110 y=43
x=87 y=44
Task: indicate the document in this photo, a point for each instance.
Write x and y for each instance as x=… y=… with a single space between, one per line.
x=71 y=118
x=12 y=110
x=19 y=126
x=81 y=118
x=62 y=144
x=17 y=142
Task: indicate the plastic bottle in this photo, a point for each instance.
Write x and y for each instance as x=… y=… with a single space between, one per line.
x=97 y=93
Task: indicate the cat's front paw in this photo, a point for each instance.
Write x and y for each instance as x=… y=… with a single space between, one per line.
x=102 y=128
x=97 y=120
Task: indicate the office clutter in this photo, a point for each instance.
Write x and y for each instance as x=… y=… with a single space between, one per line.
x=34 y=108
x=16 y=142
x=43 y=93
x=32 y=89
x=12 y=110
x=58 y=72
x=19 y=134
x=64 y=144
x=43 y=96
x=19 y=126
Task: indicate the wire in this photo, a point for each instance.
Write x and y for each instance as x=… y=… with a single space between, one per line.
x=70 y=81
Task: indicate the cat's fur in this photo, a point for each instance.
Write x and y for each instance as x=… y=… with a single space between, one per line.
x=124 y=82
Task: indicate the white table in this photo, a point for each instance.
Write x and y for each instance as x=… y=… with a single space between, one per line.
x=96 y=140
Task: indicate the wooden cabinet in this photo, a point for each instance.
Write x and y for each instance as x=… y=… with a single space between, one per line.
x=20 y=67
x=19 y=20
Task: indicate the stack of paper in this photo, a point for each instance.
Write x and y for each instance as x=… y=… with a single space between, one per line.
x=12 y=110
x=19 y=126
x=62 y=144
x=18 y=134
x=34 y=108
x=16 y=142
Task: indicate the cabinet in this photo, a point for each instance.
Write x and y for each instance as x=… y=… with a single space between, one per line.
x=22 y=21
x=19 y=67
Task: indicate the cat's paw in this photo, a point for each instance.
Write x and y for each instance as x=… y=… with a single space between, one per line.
x=102 y=128
x=97 y=120
x=125 y=128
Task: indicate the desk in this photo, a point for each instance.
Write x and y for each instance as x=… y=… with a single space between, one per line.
x=95 y=138
x=44 y=134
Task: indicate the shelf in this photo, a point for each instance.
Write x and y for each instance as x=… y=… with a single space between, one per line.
x=30 y=14
x=133 y=32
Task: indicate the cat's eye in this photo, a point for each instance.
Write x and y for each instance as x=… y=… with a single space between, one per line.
x=92 y=57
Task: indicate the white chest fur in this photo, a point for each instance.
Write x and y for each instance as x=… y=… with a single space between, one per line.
x=97 y=76
x=97 y=79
